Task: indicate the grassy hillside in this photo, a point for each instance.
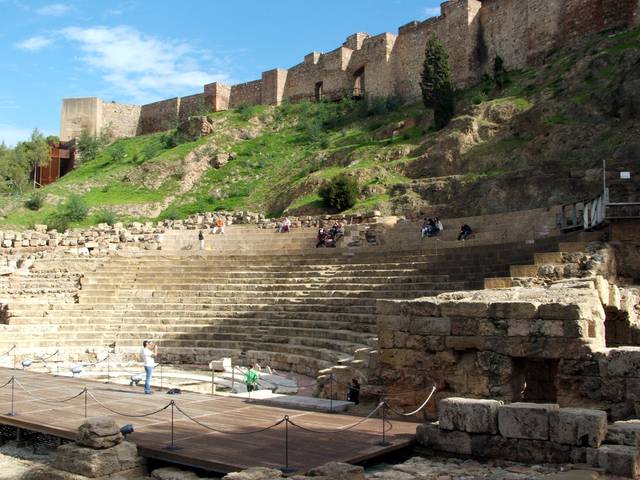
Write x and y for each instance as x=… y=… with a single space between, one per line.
x=537 y=141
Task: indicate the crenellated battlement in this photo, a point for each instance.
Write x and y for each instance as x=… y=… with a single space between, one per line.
x=473 y=32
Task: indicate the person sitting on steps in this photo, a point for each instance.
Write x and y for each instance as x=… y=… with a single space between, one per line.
x=285 y=226
x=337 y=231
x=465 y=232
x=322 y=238
x=439 y=226
x=201 y=239
x=218 y=226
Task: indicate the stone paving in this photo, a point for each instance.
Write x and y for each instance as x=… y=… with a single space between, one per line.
x=438 y=468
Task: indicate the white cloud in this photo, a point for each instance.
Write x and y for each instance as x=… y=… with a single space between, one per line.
x=35 y=44
x=140 y=66
x=54 y=9
x=10 y=134
x=432 y=12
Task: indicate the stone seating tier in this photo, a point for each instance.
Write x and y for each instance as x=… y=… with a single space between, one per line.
x=301 y=312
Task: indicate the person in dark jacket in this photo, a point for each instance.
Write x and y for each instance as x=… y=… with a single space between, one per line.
x=353 y=395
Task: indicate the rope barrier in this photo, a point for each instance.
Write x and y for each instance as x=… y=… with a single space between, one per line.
x=341 y=429
x=51 y=401
x=141 y=415
x=8 y=351
x=97 y=362
x=44 y=359
x=226 y=432
x=7 y=383
x=410 y=414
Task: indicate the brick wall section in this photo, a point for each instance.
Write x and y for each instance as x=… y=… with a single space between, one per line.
x=217 y=96
x=193 y=105
x=249 y=93
x=122 y=119
x=159 y=116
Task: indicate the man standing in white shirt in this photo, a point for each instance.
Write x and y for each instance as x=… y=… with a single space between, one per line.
x=149 y=351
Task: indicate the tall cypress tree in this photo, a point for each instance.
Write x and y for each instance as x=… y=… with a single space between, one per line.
x=437 y=87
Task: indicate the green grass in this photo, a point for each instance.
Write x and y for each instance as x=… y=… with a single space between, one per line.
x=559 y=118
x=498 y=147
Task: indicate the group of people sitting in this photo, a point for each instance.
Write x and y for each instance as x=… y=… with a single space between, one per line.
x=329 y=238
x=284 y=226
x=431 y=227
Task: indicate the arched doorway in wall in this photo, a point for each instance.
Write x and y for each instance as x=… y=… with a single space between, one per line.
x=358 y=84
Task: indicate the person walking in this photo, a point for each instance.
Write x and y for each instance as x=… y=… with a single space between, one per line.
x=149 y=352
x=201 y=238
x=251 y=379
x=353 y=395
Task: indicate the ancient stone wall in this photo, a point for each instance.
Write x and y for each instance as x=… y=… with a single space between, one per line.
x=249 y=93
x=159 y=116
x=534 y=344
x=80 y=114
x=522 y=32
x=122 y=120
x=193 y=105
x=528 y=432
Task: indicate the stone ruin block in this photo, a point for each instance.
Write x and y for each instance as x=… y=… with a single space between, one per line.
x=578 y=426
x=469 y=415
x=464 y=309
x=511 y=310
x=525 y=420
x=430 y=435
x=616 y=459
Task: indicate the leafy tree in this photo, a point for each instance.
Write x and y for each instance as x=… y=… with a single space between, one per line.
x=438 y=91
x=33 y=153
x=88 y=146
x=340 y=193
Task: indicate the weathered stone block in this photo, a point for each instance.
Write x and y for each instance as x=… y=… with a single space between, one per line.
x=338 y=471
x=578 y=426
x=525 y=420
x=469 y=415
x=623 y=433
x=623 y=361
x=430 y=435
x=464 y=326
x=464 y=343
x=464 y=309
x=617 y=460
x=99 y=433
x=509 y=310
x=430 y=326
x=96 y=463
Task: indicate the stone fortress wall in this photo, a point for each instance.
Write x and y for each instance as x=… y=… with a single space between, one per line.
x=473 y=32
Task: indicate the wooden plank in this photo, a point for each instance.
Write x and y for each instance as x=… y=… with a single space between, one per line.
x=236 y=445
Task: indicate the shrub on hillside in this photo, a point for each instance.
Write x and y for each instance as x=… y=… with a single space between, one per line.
x=107 y=216
x=57 y=221
x=340 y=193
x=74 y=209
x=118 y=153
x=170 y=213
x=35 y=201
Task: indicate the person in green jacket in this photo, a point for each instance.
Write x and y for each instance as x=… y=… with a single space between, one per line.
x=251 y=379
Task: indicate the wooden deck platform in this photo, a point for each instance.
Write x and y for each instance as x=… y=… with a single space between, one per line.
x=238 y=445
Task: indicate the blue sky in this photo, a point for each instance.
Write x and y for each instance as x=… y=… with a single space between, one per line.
x=138 y=51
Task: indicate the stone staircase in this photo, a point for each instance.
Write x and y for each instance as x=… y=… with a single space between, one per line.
x=301 y=313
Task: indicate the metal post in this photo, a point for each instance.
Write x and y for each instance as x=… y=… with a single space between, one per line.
x=57 y=362
x=286 y=468
x=233 y=376
x=172 y=445
x=108 y=367
x=12 y=413
x=383 y=442
x=85 y=401
x=161 y=377
x=213 y=382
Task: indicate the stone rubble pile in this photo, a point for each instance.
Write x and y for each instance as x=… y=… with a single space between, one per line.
x=527 y=432
x=99 y=452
